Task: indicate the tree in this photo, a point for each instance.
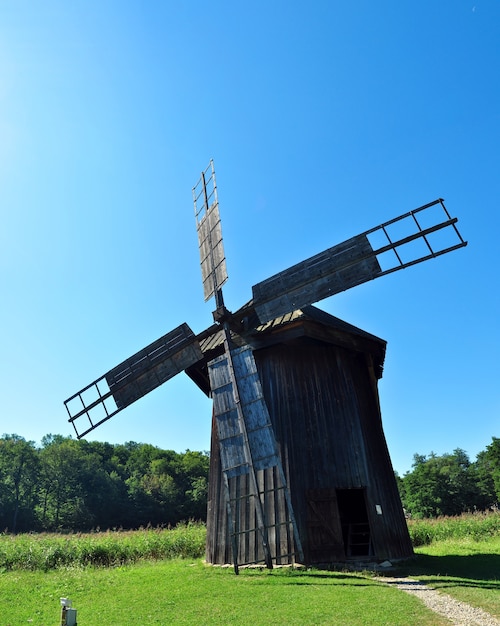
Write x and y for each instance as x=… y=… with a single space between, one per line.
x=493 y=454
x=422 y=487
x=195 y=467
x=64 y=470
x=488 y=471
x=18 y=481
x=102 y=485
x=165 y=486
x=440 y=485
x=79 y=485
x=483 y=472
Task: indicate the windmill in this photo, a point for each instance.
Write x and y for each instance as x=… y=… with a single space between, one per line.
x=299 y=465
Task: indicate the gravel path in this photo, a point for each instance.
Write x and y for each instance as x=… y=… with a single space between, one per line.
x=459 y=613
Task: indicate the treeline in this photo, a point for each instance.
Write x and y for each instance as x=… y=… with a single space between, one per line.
x=451 y=484
x=66 y=484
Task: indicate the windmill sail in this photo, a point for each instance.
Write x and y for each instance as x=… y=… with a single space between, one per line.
x=135 y=377
x=247 y=444
x=237 y=457
x=247 y=448
x=334 y=270
x=206 y=208
x=374 y=253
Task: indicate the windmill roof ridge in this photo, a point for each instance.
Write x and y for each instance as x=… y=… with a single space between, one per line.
x=322 y=316
x=210 y=336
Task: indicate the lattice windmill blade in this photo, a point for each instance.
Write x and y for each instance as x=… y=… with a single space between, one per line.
x=133 y=378
x=247 y=442
x=419 y=235
x=212 y=257
x=248 y=445
x=235 y=391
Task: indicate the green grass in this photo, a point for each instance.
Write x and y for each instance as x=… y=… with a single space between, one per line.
x=131 y=578
x=189 y=592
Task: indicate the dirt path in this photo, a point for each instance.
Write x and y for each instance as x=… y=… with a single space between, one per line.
x=459 y=613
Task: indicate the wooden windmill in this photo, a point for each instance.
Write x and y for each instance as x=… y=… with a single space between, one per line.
x=299 y=464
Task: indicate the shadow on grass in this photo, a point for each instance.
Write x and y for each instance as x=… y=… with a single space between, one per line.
x=481 y=571
x=477 y=570
x=312 y=577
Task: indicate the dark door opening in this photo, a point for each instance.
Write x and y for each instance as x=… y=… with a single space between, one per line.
x=354 y=522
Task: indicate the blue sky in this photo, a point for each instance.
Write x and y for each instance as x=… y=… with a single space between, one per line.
x=324 y=119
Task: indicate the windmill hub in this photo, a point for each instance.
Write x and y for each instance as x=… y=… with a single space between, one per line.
x=221 y=315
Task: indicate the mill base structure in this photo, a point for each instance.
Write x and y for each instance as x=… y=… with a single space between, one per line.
x=319 y=377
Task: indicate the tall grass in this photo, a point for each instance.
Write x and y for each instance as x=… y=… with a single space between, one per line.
x=111 y=548
x=100 y=549
x=476 y=526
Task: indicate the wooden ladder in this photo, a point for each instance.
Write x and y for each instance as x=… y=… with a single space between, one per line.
x=358 y=540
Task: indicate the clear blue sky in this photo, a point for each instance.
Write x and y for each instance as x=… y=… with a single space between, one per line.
x=324 y=119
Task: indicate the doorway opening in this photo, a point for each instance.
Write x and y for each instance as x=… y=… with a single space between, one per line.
x=354 y=521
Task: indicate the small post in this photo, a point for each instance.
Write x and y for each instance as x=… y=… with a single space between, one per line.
x=68 y=614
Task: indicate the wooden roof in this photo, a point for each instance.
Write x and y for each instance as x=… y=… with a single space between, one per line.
x=307 y=324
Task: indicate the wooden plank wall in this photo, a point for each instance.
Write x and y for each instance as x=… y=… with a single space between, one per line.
x=323 y=403
x=250 y=548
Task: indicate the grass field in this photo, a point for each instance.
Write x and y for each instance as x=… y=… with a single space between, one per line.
x=188 y=592
x=141 y=580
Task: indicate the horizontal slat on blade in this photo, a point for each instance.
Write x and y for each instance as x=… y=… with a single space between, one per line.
x=325 y=274
x=236 y=456
x=153 y=365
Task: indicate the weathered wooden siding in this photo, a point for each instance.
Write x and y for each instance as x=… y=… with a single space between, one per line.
x=323 y=403
x=249 y=543
x=389 y=529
